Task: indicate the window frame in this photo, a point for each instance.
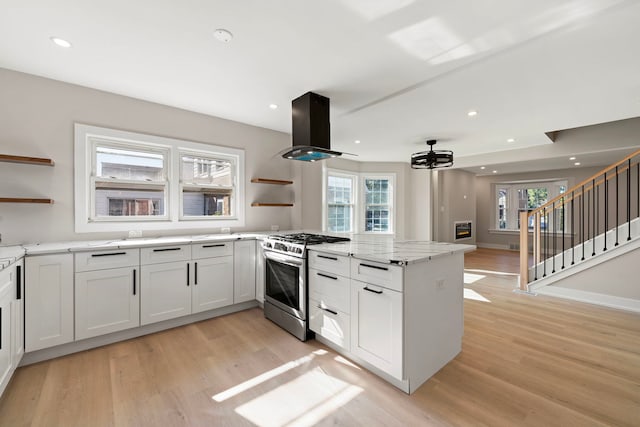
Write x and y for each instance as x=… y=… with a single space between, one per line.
x=359 y=205
x=354 y=197
x=553 y=187
x=86 y=137
x=391 y=202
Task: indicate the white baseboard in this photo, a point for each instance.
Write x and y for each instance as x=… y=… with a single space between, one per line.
x=620 y=303
x=493 y=246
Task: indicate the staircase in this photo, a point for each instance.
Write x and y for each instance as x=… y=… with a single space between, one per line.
x=585 y=243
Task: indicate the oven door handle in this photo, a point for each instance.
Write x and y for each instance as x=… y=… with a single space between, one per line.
x=282 y=259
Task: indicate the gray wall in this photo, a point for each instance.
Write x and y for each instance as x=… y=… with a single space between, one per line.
x=454 y=200
x=37 y=117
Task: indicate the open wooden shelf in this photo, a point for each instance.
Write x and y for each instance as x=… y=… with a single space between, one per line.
x=25 y=200
x=28 y=160
x=271 y=181
x=271 y=204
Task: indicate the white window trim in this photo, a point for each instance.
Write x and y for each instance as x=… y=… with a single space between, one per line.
x=513 y=187
x=358 y=217
x=362 y=206
x=353 y=176
x=84 y=134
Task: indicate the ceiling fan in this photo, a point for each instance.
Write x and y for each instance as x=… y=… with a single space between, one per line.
x=433 y=158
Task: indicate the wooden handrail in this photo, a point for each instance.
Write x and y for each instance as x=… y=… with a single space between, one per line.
x=583 y=182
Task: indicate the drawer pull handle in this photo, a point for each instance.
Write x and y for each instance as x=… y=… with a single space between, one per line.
x=214 y=246
x=109 y=254
x=327 y=276
x=187 y=274
x=195 y=274
x=19 y=282
x=335 y=313
x=134 y=281
x=167 y=249
x=375 y=267
x=328 y=257
x=372 y=290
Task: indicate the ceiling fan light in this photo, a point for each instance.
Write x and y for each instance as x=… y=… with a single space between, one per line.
x=432 y=159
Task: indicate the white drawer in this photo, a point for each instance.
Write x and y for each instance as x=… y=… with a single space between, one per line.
x=162 y=254
x=332 y=325
x=101 y=260
x=337 y=264
x=329 y=289
x=211 y=249
x=377 y=273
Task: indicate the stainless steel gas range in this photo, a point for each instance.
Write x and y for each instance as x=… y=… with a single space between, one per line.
x=286 y=289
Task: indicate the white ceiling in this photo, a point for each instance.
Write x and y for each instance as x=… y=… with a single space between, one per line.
x=397 y=72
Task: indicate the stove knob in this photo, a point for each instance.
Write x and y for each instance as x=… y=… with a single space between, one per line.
x=299 y=250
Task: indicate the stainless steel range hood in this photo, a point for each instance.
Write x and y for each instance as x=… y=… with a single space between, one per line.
x=311 y=130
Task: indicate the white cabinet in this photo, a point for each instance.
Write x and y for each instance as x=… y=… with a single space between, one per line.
x=259 y=273
x=106 y=301
x=377 y=327
x=6 y=298
x=48 y=301
x=329 y=295
x=244 y=271
x=165 y=291
x=17 y=313
x=212 y=283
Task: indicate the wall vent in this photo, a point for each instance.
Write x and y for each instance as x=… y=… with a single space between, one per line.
x=514 y=246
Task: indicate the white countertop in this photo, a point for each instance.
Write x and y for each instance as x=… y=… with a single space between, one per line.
x=92 y=245
x=389 y=250
x=9 y=255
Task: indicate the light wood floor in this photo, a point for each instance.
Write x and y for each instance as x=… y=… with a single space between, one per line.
x=526 y=361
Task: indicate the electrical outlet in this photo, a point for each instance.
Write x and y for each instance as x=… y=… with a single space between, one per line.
x=225 y=230
x=275 y=228
x=440 y=284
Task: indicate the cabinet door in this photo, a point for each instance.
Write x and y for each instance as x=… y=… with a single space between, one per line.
x=106 y=301
x=165 y=291
x=48 y=301
x=17 y=313
x=376 y=326
x=212 y=283
x=259 y=273
x=244 y=271
x=6 y=366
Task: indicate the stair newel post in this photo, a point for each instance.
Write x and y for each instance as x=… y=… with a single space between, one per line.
x=595 y=218
x=554 y=237
x=606 y=210
x=562 y=225
x=573 y=236
x=628 y=199
x=617 y=204
x=536 y=231
x=582 y=221
x=524 y=251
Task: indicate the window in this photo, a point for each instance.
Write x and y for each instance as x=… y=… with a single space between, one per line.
x=340 y=202
x=377 y=204
x=130 y=181
x=358 y=202
x=514 y=198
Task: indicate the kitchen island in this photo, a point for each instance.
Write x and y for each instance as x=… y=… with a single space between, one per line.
x=395 y=307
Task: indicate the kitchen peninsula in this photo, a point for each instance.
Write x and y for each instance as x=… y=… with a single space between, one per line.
x=396 y=307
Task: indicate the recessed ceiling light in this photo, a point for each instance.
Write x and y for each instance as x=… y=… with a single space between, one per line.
x=357 y=141
x=60 y=42
x=482 y=167
x=495 y=171
x=472 y=113
x=511 y=140
x=577 y=163
x=223 y=35
x=273 y=106
x=289 y=157
x=312 y=160
x=572 y=158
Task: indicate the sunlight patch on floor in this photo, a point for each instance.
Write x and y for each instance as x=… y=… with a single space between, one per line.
x=471 y=294
x=496 y=273
x=344 y=361
x=470 y=278
x=303 y=401
x=246 y=385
